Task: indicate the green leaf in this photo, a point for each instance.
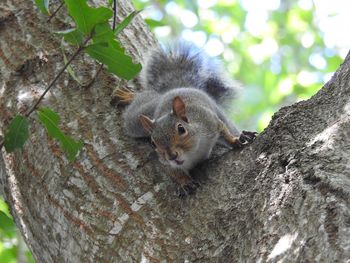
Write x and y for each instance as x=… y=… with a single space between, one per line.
x=17 y=133
x=8 y=255
x=125 y=22
x=29 y=257
x=50 y=120
x=69 y=67
x=4 y=207
x=112 y=55
x=72 y=36
x=43 y=6
x=86 y=17
x=6 y=224
x=153 y=23
x=103 y=33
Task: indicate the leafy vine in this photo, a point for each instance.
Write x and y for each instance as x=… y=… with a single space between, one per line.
x=92 y=34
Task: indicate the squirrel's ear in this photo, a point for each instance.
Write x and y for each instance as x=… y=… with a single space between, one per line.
x=179 y=108
x=146 y=123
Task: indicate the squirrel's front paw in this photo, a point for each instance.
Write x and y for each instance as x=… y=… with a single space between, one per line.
x=188 y=189
x=123 y=96
x=247 y=137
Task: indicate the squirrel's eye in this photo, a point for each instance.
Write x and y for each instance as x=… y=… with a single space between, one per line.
x=153 y=144
x=181 y=130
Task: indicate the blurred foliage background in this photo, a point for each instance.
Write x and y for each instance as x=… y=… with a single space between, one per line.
x=281 y=51
x=12 y=246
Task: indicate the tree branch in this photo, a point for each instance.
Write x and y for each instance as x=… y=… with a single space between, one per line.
x=76 y=53
x=113 y=27
x=114 y=14
x=55 y=12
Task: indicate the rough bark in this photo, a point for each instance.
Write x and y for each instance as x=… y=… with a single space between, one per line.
x=284 y=198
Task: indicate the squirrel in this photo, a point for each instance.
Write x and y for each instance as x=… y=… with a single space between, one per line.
x=180 y=108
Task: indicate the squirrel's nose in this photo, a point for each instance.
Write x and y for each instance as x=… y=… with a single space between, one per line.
x=172 y=156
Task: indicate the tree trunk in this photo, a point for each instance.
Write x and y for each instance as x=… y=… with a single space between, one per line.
x=284 y=198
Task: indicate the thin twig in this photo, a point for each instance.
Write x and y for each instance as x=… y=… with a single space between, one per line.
x=114 y=14
x=53 y=82
x=94 y=78
x=57 y=76
x=55 y=12
x=113 y=26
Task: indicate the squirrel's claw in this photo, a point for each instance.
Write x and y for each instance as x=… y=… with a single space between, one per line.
x=247 y=137
x=188 y=189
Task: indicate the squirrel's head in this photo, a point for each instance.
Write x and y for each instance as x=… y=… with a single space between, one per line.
x=172 y=135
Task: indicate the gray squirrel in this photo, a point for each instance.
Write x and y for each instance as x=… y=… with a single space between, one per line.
x=180 y=108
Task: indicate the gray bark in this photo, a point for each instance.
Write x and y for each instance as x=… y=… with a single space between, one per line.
x=284 y=198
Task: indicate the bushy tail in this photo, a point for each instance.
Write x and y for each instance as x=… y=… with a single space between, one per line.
x=184 y=65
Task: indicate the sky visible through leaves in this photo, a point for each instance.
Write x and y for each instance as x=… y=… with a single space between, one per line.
x=280 y=51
